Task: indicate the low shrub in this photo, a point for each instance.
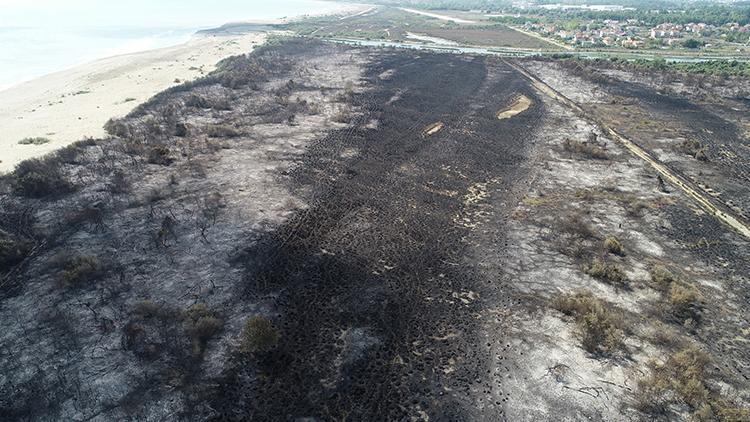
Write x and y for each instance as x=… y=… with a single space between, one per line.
x=661 y=278
x=258 y=335
x=12 y=250
x=585 y=149
x=81 y=269
x=34 y=141
x=664 y=335
x=201 y=325
x=119 y=183
x=117 y=128
x=684 y=303
x=577 y=225
x=160 y=155
x=40 y=177
x=613 y=245
x=599 y=328
x=683 y=380
x=222 y=131
x=197 y=101
x=162 y=330
x=694 y=148
x=606 y=272
x=636 y=207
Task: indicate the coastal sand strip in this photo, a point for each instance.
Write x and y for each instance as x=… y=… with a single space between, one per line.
x=70 y=105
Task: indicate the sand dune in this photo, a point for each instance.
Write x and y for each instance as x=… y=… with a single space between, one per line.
x=70 y=105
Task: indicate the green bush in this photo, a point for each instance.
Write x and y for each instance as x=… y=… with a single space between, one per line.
x=258 y=335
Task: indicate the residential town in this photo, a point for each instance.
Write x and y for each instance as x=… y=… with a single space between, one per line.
x=633 y=34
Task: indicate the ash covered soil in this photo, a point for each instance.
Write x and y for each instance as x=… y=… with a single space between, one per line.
x=321 y=232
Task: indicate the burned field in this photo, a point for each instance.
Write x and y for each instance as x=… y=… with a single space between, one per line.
x=280 y=240
x=321 y=232
x=376 y=300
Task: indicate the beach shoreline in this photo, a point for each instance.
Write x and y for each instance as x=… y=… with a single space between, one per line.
x=74 y=104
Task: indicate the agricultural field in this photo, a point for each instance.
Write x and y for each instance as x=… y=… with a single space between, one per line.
x=496 y=36
x=396 y=24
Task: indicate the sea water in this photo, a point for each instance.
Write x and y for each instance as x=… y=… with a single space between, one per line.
x=38 y=37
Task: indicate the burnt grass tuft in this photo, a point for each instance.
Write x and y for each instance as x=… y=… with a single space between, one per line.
x=599 y=329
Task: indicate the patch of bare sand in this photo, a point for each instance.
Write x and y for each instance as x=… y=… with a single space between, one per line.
x=433 y=129
x=73 y=104
x=518 y=106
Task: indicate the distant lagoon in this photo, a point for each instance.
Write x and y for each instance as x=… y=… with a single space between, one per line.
x=45 y=36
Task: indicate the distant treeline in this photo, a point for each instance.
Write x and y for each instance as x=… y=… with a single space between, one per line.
x=650 y=12
x=711 y=14
x=448 y=4
x=711 y=67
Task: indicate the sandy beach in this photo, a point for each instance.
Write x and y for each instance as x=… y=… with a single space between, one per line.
x=73 y=104
x=70 y=105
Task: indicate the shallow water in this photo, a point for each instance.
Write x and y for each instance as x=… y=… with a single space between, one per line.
x=43 y=36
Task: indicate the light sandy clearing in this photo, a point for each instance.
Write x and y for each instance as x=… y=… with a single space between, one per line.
x=70 y=105
x=519 y=105
x=427 y=38
x=436 y=16
x=433 y=129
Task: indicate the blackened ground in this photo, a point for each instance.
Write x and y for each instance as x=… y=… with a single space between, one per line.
x=726 y=145
x=376 y=297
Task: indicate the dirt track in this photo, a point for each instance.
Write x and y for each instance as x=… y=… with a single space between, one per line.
x=714 y=207
x=377 y=297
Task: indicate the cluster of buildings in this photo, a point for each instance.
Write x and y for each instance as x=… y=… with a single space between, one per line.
x=603 y=33
x=631 y=33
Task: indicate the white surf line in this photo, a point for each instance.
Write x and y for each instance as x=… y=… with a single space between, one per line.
x=436 y=16
x=719 y=212
x=364 y=12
